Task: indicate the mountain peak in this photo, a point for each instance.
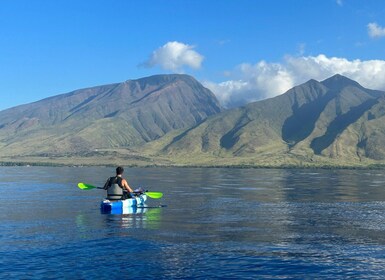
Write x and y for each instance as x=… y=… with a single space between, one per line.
x=163 y=79
x=160 y=79
x=338 y=82
x=117 y=115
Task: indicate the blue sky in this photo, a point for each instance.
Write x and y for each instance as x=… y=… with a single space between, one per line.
x=244 y=50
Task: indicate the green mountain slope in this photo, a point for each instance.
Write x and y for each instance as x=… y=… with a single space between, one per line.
x=334 y=122
x=111 y=116
x=174 y=120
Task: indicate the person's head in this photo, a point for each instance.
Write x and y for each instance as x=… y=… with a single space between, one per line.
x=119 y=170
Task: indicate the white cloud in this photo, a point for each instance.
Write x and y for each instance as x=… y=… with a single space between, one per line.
x=230 y=93
x=174 y=56
x=375 y=31
x=263 y=80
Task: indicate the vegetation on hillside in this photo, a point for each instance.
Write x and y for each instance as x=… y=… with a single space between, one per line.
x=172 y=120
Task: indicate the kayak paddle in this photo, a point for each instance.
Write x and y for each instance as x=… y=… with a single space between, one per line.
x=87 y=186
x=154 y=195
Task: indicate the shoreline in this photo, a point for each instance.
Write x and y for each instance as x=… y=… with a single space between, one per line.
x=374 y=166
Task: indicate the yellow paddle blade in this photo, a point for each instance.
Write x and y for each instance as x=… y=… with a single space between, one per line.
x=155 y=195
x=84 y=186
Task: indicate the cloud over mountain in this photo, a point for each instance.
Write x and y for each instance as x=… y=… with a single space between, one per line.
x=252 y=82
x=174 y=56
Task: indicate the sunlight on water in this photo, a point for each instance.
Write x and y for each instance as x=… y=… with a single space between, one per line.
x=214 y=223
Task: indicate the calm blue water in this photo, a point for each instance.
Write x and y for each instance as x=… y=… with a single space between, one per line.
x=218 y=223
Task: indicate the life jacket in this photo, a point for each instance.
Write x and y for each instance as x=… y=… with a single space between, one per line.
x=115 y=188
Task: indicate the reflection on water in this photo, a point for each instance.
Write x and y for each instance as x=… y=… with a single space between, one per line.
x=234 y=223
x=134 y=217
x=129 y=218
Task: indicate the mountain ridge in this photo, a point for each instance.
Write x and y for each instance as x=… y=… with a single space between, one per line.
x=303 y=125
x=174 y=120
x=116 y=115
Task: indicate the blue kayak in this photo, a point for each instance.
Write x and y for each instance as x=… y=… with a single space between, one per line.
x=120 y=205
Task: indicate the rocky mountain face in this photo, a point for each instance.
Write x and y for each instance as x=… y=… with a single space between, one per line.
x=335 y=119
x=110 y=116
x=173 y=119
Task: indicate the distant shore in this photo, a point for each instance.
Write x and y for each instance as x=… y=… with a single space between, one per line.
x=106 y=163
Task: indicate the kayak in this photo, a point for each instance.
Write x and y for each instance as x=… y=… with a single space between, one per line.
x=107 y=205
x=129 y=210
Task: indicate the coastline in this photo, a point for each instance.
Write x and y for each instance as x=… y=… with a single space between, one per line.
x=95 y=162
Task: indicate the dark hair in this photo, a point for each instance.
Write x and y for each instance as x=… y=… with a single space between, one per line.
x=119 y=170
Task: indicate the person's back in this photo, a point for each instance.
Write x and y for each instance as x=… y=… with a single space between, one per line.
x=115 y=189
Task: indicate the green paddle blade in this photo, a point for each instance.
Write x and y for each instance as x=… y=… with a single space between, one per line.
x=84 y=186
x=154 y=195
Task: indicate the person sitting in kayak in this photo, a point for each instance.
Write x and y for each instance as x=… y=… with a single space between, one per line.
x=117 y=187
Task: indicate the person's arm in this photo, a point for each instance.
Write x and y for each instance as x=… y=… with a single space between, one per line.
x=126 y=186
x=106 y=185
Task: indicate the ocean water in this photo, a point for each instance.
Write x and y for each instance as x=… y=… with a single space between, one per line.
x=210 y=224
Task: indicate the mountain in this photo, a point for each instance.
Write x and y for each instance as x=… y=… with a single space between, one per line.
x=118 y=115
x=336 y=121
x=174 y=120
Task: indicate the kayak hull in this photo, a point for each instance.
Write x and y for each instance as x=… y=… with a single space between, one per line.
x=108 y=206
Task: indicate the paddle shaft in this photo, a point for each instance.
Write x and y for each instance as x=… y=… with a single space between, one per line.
x=154 y=195
x=144 y=192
